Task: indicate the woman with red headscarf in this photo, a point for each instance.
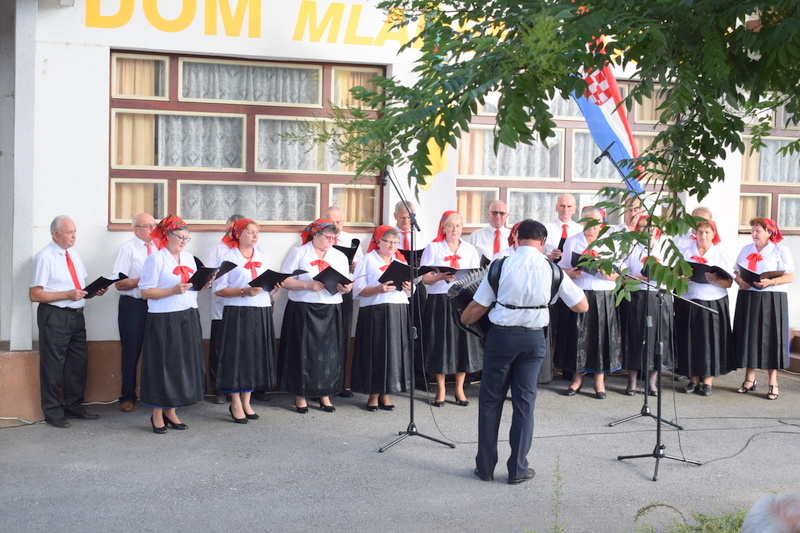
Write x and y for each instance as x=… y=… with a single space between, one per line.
x=761 y=319
x=173 y=373
x=588 y=342
x=703 y=340
x=382 y=353
x=313 y=341
x=645 y=302
x=247 y=354
x=448 y=349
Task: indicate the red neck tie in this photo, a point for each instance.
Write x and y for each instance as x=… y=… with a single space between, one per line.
x=698 y=259
x=184 y=272
x=149 y=248
x=645 y=258
x=320 y=264
x=406 y=242
x=453 y=260
x=71 y=267
x=590 y=253
x=752 y=261
x=253 y=265
x=384 y=267
x=497 y=241
x=564 y=231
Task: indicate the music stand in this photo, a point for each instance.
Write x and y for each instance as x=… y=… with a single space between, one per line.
x=411 y=429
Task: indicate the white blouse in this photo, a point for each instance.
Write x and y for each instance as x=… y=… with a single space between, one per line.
x=634 y=262
x=435 y=253
x=239 y=277
x=774 y=257
x=371 y=266
x=716 y=256
x=157 y=273
x=588 y=282
x=301 y=257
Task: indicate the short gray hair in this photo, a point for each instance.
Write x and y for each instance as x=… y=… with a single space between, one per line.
x=55 y=225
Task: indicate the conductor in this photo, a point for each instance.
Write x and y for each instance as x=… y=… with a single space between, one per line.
x=515 y=346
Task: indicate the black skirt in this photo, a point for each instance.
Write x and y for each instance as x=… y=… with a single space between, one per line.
x=382 y=355
x=173 y=371
x=590 y=341
x=447 y=348
x=632 y=317
x=247 y=356
x=703 y=340
x=761 y=330
x=312 y=349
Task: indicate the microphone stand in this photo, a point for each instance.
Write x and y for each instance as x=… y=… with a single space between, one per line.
x=658 y=452
x=411 y=430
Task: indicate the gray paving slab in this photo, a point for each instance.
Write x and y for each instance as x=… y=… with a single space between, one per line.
x=322 y=471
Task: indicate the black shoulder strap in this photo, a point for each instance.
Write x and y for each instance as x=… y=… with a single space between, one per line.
x=495 y=269
x=558 y=277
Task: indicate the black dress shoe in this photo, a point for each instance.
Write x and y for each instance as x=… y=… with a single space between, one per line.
x=651 y=392
x=690 y=387
x=572 y=392
x=437 y=404
x=386 y=407
x=82 y=414
x=158 y=431
x=302 y=410
x=345 y=394
x=462 y=403
x=237 y=420
x=175 y=425
x=327 y=408
x=253 y=416
x=529 y=473
x=705 y=390
x=261 y=396
x=481 y=476
x=219 y=399
x=57 y=422
x=600 y=395
x=372 y=408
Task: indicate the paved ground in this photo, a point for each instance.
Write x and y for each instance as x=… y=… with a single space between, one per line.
x=322 y=472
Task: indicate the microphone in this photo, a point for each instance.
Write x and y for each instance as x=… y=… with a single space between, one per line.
x=603 y=153
x=385 y=178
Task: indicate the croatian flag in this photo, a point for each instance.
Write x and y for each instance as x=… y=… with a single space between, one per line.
x=607 y=122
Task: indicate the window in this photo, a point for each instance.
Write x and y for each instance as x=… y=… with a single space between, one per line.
x=204 y=138
x=473 y=204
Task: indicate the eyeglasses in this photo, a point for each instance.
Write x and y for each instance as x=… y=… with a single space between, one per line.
x=329 y=238
x=147 y=226
x=391 y=243
x=182 y=239
x=498 y=213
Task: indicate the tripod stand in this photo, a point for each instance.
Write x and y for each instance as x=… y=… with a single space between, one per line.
x=411 y=430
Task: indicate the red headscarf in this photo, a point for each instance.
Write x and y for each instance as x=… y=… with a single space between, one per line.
x=513 y=235
x=167 y=224
x=315 y=227
x=375 y=242
x=231 y=238
x=440 y=234
x=775 y=235
x=599 y=209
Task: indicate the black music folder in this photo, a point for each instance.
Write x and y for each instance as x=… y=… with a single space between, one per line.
x=397 y=273
x=350 y=251
x=699 y=272
x=204 y=274
x=330 y=277
x=101 y=283
x=270 y=278
x=417 y=255
x=576 y=260
x=751 y=277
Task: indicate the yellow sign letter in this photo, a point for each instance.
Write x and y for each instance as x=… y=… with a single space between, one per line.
x=95 y=20
x=233 y=22
x=307 y=17
x=183 y=21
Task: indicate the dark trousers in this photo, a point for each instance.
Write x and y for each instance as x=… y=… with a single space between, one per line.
x=63 y=358
x=347 y=319
x=131 y=316
x=214 y=348
x=511 y=359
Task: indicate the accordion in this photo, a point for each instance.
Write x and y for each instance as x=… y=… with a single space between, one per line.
x=460 y=295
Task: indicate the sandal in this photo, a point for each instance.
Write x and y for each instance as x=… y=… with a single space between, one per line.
x=743 y=389
x=772 y=395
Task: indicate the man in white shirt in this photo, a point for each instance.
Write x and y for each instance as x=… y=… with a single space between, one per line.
x=213 y=258
x=490 y=239
x=335 y=215
x=515 y=347
x=132 y=309
x=57 y=280
x=561 y=228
